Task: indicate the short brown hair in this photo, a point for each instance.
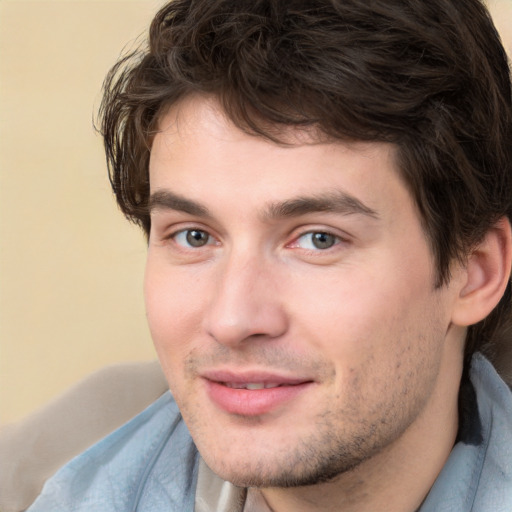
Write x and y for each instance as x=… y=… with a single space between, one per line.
x=431 y=77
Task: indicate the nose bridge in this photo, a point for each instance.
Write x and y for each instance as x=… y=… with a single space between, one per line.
x=244 y=302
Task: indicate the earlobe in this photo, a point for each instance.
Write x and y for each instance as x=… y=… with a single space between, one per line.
x=486 y=275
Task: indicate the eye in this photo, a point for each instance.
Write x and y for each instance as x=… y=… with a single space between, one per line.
x=192 y=238
x=317 y=240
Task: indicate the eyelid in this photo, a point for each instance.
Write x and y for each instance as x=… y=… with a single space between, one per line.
x=166 y=233
x=310 y=237
x=309 y=230
x=167 y=230
x=181 y=238
x=183 y=231
x=305 y=242
x=169 y=234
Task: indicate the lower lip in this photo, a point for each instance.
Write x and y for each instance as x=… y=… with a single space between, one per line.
x=254 y=402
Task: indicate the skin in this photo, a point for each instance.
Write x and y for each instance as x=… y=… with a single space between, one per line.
x=360 y=320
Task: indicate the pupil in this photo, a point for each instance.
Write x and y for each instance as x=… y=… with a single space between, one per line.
x=197 y=238
x=323 y=240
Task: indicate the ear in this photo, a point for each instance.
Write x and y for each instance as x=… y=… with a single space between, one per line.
x=486 y=275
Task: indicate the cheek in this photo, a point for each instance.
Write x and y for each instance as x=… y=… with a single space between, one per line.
x=385 y=349
x=364 y=318
x=173 y=310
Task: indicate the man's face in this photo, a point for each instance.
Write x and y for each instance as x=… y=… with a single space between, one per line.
x=290 y=295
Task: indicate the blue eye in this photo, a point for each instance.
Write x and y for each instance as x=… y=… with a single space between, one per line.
x=192 y=238
x=317 y=240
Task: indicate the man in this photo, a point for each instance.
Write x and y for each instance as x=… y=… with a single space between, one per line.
x=326 y=189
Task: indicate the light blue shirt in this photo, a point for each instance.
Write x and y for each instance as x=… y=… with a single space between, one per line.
x=151 y=464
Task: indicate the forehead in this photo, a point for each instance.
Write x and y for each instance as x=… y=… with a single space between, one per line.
x=195 y=110
x=199 y=153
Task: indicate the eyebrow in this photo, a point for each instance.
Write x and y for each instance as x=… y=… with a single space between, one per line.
x=336 y=202
x=167 y=200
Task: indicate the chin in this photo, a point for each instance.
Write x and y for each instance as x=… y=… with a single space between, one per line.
x=304 y=467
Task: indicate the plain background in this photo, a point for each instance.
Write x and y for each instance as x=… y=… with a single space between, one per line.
x=71 y=267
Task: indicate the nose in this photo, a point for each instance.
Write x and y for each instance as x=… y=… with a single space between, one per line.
x=246 y=302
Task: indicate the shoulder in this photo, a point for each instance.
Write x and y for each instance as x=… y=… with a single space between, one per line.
x=494 y=491
x=477 y=476
x=127 y=466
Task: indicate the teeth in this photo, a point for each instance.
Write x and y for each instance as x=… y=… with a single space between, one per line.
x=235 y=385
x=251 y=385
x=255 y=385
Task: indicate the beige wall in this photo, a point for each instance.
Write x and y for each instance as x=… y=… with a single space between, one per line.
x=502 y=14
x=70 y=266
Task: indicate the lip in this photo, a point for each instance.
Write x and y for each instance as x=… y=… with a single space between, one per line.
x=254 y=402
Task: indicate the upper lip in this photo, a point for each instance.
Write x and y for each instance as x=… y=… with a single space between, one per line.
x=245 y=377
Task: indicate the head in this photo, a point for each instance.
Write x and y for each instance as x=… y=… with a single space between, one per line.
x=425 y=84
x=431 y=78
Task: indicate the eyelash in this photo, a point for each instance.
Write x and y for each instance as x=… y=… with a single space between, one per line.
x=328 y=238
x=185 y=232
x=321 y=237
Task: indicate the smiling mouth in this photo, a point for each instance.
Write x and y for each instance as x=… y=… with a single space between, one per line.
x=254 y=398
